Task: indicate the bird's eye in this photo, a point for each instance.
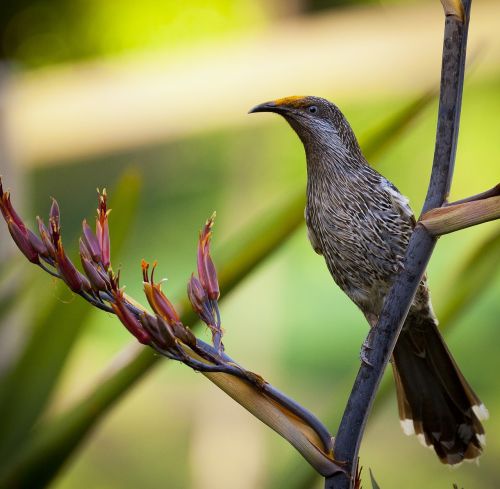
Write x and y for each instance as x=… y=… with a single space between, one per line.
x=313 y=109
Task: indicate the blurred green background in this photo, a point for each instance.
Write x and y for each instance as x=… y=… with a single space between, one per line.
x=158 y=91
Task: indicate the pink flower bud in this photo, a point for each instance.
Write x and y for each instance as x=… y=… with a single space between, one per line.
x=21 y=238
x=91 y=242
x=7 y=210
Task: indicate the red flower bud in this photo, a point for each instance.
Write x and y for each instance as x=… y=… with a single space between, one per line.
x=156 y=298
x=206 y=267
x=21 y=238
x=29 y=244
x=44 y=234
x=73 y=278
x=128 y=319
x=7 y=210
x=102 y=230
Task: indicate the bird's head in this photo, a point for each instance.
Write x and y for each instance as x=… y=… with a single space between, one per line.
x=317 y=122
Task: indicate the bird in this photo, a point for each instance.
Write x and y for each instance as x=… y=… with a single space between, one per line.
x=361 y=224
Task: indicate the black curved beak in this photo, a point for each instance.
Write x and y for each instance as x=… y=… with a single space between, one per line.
x=268 y=107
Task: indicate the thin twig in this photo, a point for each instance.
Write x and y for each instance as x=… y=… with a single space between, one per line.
x=419 y=250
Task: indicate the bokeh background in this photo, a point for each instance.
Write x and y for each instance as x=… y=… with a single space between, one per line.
x=158 y=91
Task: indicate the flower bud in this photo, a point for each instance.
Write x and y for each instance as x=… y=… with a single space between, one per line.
x=21 y=238
x=73 y=278
x=206 y=267
x=45 y=236
x=102 y=230
x=159 y=330
x=196 y=294
x=96 y=279
x=26 y=241
x=128 y=319
x=37 y=244
x=200 y=302
x=54 y=211
x=156 y=298
x=7 y=210
x=91 y=242
x=184 y=334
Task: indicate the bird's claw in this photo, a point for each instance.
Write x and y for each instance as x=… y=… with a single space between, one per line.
x=365 y=350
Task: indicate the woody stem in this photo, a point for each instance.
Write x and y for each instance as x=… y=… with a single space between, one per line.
x=421 y=245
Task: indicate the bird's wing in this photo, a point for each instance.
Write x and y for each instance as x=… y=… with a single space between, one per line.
x=400 y=202
x=312 y=237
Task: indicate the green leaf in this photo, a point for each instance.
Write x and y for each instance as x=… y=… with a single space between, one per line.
x=378 y=140
x=374 y=482
x=55 y=440
x=28 y=386
x=471 y=279
x=12 y=289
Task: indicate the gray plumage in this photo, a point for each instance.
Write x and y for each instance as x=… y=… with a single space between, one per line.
x=362 y=224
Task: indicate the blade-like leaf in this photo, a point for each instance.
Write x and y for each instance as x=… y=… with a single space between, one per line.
x=471 y=279
x=12 y=289
x=26 y=389
x=380 y=138
x=374 y=482
x=53 y=443
x=9 y=263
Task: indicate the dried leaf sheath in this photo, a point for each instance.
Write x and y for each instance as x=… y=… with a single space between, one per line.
x=444 y=220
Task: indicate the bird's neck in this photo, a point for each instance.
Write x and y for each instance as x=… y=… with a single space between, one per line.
x=338 y=164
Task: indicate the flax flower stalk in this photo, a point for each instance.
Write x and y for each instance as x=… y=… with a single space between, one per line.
x=163 y=329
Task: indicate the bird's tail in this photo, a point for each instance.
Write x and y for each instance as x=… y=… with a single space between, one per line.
x=435 y=401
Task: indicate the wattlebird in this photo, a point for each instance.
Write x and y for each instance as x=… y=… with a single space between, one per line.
x=361 y=224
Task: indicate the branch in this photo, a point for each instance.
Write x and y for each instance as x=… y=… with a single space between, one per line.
x=421 y=245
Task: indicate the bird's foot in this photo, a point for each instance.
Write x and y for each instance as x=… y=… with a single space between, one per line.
x=363 y=355
x=366 y=348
